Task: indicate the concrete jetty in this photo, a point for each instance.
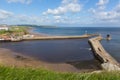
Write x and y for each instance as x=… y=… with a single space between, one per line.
x=108 y=62
x=37 y=37
x=59 y=37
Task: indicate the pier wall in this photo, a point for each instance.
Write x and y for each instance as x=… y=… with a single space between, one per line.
x=18 y=39
x=108 y=62
x=60 y=37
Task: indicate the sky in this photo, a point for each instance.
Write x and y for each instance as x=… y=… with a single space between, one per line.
x=89 y=13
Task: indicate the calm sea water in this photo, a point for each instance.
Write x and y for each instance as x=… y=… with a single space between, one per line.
x=60 y=51
x=54 y=51
x=112 y=46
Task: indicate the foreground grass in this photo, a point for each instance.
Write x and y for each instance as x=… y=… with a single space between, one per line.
x=11 y=73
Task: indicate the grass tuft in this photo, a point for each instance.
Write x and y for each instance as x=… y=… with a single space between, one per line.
x=12 y=73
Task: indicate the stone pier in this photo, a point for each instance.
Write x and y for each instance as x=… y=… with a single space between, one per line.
x=108 y=62
x=60 y=37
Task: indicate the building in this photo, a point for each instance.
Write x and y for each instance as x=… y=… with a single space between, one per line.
x=4 y=28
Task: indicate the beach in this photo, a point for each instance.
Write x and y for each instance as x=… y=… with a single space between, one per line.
x=10 y=58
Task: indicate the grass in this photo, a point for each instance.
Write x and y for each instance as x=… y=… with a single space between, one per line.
x=4 y=32
x=12 y=73
x=16 y=30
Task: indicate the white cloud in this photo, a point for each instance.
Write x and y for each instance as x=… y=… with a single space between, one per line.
x=69 y=1
x=99 y=15
x=66 y=6
x=59 y=10
x=104 y=16
x=117 y=8
x=5 y=14
x=57 y=17
x=20 y=1
x=102 y=4
x=25 y=19
x=7 y=17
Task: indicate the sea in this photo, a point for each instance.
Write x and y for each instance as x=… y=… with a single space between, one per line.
x=112 y=46
x=68 y=50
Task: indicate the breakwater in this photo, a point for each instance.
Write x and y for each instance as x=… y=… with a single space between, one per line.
x=108 y=62
x=37 y=37
x=59 y=37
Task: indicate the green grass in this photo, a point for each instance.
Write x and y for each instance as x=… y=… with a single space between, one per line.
x=12 y=73
x=18 y=30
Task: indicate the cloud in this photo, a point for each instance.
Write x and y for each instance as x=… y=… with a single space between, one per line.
x=7 y=17
x=72 y=16
x=104 y=16
x=57 y=17
x=65 y=7
x=117 y=8
x=20 y=1
x=5 y=14
x=102 y=4
x=25 y=19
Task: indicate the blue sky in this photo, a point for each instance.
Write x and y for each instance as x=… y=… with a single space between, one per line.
x=61 y=12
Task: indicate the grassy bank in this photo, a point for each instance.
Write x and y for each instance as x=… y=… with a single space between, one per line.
x=11 y=73
x=15 y=30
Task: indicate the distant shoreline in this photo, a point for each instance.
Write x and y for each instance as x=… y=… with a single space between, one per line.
x=31 y=31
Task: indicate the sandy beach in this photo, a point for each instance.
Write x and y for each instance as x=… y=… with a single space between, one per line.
x=10 y=58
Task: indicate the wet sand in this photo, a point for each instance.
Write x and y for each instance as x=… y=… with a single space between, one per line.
x=10 y=58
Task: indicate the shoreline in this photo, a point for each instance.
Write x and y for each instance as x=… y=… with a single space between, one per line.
x=10 y=58
x=32 y=32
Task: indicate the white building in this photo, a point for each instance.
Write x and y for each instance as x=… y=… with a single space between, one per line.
x=4 y=28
